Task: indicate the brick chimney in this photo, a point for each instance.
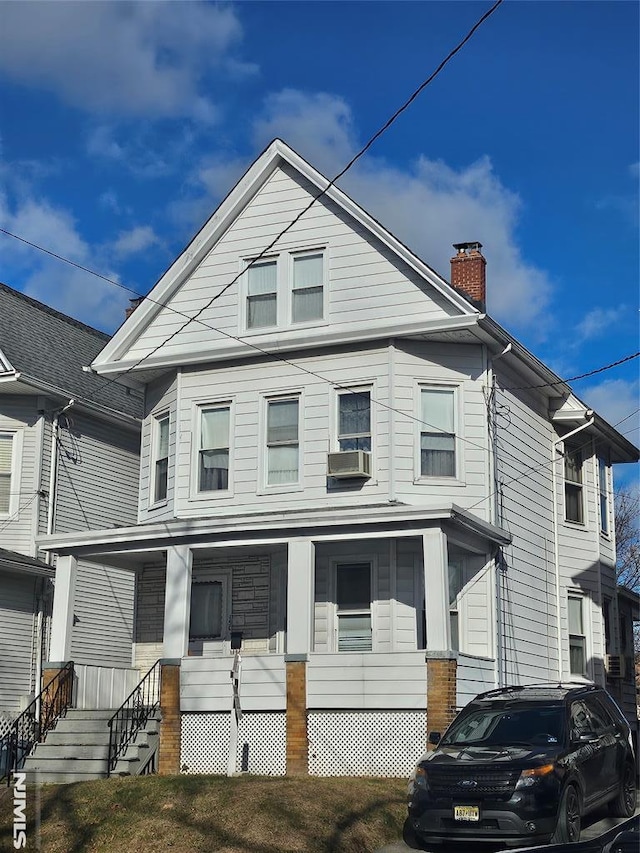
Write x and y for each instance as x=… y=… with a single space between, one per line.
x=137 y=300
x=468 y=273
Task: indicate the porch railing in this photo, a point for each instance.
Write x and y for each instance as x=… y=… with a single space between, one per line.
x=39 y=717
x=133 y=715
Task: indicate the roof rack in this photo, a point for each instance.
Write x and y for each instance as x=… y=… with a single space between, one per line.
x=517 y=688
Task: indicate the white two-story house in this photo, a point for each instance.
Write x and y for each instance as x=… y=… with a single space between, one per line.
x=355 y=478
x=64 y=434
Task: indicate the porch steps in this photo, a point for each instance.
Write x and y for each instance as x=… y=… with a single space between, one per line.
x=77 y=749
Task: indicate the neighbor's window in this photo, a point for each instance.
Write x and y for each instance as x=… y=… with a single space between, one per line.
x=573 y=507
x=213 y=455
x=161 y=465
x=262 y=299
x=283 y=446
x=353 y=605
x=206 y=611
x=577 y=644
x=437 y=433
x=6 y=460
x=354 y=420
x=604 y=496
x=307 y=291
x=456 y=582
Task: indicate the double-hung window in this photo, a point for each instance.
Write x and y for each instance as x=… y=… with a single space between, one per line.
x=283 y=443
x=353 y=605
x=577 y=641
x=262 y=294
x=213 y=453
x=573 y=505
x=161 y=458
x=437 y=432
x=354 y=420
x=6 y=463
x=307 y=301
x=604 y=496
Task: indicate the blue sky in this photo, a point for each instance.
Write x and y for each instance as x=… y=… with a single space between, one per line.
x=122 y=125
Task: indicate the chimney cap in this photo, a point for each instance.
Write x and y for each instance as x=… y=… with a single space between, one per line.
x=462 y=247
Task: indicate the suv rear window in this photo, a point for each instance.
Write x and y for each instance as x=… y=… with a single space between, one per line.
x=504 y=727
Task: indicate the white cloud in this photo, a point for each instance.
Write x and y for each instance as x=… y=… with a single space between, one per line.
x=125 y=59
x=135 y=240
x=616 y=400
x=428 y=204
x=68 y=289
x=599 y=322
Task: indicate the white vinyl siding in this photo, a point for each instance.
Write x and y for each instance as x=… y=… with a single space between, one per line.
x=17 y=631
x=603 y=489
x=160 y=398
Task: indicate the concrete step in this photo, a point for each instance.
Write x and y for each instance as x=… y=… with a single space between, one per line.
x=59 y=751
x=61 y=738
x=70 y=724
x=73 y=765
x=60 y=778
x=81 y=714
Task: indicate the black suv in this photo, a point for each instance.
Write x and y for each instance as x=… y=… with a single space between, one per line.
x=521 y=765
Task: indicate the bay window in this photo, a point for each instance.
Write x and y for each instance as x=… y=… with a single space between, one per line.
x=161 y=458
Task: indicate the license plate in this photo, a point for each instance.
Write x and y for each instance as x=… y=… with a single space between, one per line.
x=471 y=813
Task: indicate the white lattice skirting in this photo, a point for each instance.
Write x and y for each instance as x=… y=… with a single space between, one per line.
x=261 y=747
x=365 y=743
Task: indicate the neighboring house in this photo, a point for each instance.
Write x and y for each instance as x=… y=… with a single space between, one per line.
x=355 y=476
x=69 y=459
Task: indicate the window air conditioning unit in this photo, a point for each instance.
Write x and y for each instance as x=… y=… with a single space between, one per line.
x=615 y=666
x=349 y=463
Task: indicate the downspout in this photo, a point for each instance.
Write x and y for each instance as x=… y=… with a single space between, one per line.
x=391 y=368
x=556 y=533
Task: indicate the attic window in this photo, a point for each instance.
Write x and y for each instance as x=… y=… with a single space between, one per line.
x=262 y=295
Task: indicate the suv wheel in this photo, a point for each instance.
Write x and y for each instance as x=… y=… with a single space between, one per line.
x=624 y=805
x=568 y=826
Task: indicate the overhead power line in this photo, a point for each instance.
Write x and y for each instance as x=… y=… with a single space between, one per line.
x=575 y=378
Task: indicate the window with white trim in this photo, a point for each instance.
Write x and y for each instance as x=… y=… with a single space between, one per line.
x=603 y=487
x=354 y=420
x=573 y=498
x=6 y=470
x=456 y=583
x=284 y=291
x=307 y=299
x=283 y=443
x=161 y=458
x=437 y=432
x=262 y=294
x=353 y=607
x=577 y=639
x=213 y=448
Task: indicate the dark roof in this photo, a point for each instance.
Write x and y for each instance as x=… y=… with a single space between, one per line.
x=49 y=347
x=546 y=693
x=20 y=563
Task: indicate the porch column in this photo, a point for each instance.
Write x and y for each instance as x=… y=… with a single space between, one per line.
x=177 y=605
x=63 y=601
x=300 y=605
x=436 y=590
x=440 y=658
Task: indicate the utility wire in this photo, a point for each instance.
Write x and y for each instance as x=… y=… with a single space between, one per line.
x=575 y=378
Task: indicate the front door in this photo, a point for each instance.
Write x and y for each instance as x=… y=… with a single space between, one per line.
x=209 y=624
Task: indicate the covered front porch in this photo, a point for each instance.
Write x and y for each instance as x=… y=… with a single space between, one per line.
x=305 y=648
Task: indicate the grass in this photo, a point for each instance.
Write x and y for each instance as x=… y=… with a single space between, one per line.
x=211 y=814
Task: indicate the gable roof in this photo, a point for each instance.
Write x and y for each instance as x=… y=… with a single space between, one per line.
x=113 y=358
x=46 y=350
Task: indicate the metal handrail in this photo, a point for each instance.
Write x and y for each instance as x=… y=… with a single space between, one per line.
x=38 y=718
x=133 y=715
